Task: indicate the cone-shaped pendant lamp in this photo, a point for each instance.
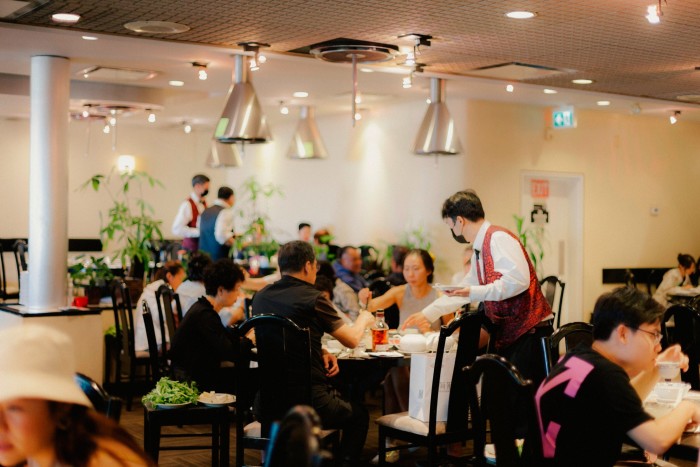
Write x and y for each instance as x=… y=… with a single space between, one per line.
x=223 y=155
x=306 y=142
x=437 y=134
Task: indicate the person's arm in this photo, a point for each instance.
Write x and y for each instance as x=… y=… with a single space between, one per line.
x=350 y=336
x=212 y=330
x=385 y=301
x=658 y=435
x=223 y=227
x=184 y=217
x=644 y=382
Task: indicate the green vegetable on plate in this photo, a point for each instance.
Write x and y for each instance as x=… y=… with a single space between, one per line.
x=168 y=391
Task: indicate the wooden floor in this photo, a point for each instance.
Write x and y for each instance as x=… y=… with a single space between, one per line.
x=133 y=422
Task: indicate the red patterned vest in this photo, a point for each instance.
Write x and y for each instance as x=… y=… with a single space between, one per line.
x=514 y=316
x=192 y=243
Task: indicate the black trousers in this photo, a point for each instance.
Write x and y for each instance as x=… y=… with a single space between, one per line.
x=351 y=417
x=527 y=355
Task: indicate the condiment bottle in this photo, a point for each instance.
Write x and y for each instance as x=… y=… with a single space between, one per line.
x=380 y=333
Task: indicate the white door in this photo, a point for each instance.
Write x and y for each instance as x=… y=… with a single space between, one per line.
x=561 y=196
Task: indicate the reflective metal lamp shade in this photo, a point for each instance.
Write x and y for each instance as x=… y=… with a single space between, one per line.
x=306 y=142
x=242 y=120
x=437 y=134
x=223 y=155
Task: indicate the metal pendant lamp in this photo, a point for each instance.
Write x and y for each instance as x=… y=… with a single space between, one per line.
x=243 y=120
x=223 y=155
x=437 y=134
x=306 y=142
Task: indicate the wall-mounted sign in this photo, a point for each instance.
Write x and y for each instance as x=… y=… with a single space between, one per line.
x=539 y=188
x=564 y=117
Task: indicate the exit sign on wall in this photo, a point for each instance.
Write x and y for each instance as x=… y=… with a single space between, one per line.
x=564 y=117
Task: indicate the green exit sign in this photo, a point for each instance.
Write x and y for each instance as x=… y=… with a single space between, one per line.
x=564 y=117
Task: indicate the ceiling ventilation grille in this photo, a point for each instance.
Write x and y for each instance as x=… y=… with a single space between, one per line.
x=515 y=71
x=102 y=73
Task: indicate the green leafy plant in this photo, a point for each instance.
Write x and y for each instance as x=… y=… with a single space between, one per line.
x=257 y=238
x=91 y=273
x=168 y=391
x=532 y=239
x=130 y=220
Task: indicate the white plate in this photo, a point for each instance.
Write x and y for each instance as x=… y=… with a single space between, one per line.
x=446 y=288
x=218 y=399
x=406 y=352
x=172 y=406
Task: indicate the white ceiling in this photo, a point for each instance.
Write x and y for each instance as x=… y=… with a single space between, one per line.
x=329 y=85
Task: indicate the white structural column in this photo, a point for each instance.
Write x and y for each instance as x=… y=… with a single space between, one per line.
x=48 y=183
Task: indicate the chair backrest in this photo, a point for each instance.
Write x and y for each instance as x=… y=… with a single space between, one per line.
x=284 y=366
x=153 y=358
x=549 y=289
x=123 y=318
x=20 y=249
x=572 y=334
x=469 y=326
x=504 y=393
x=103 y=402
x=164 y=301
x=654 y=279
x=686 y=333
x=3 y=275
x=295 y=440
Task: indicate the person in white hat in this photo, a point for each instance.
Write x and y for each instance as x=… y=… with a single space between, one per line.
x=45 y=418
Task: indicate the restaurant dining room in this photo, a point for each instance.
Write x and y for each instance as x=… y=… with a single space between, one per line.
x=467 y=196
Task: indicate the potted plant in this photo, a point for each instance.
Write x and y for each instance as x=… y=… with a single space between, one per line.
x=532 y=239
x=130 y=219
x=93 y=275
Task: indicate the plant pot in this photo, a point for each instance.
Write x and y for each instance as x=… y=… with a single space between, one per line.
x=135 y=289
x=94 y=294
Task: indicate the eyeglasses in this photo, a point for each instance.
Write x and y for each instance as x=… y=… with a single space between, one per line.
x=657 y=335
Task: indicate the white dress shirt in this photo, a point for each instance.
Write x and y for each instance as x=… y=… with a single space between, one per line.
x=508 y=259
x=184 y=217
x=189 y=292
x=223 y=228
x=672 y=279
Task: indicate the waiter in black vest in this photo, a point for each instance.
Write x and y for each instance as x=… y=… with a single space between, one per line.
x=216 y=225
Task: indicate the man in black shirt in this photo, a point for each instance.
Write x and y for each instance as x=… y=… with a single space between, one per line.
x=295 y=297
x=201 y=342
x=588 y=403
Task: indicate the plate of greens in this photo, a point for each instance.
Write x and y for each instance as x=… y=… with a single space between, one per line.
x=170 y=394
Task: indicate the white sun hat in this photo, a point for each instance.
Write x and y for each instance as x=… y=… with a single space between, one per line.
x=38 y=362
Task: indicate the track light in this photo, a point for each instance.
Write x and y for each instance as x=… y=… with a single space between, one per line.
x=256 y=59
x=407 y=81
x=510 y=88
x=201 y=70
x=284 y=110
x=151 y=116
x=674 y=118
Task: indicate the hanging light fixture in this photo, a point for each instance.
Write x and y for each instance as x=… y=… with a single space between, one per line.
x=437 y=134
x=306 y=142
x=223 y=155
x=353 y=51
x=242 y=120
x=673 y=119
x=201 y=68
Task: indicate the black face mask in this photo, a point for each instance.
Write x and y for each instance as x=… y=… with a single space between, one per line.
x=458 y=238
x=204 y=193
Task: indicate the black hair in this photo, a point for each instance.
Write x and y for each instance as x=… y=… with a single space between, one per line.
x=685 y=260
x=398 y=254
x=195 y=267
x=172 y=267
x=345 y=250
x=199 y=179
x=326 y=269
x=624 y=305
x=225 y=192
x=427 y=261
x=324 y=284
x=304 y=224
x=464 y=203
x=222 y=273
x=293 y=255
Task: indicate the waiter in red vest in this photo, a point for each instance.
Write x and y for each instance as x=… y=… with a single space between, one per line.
x=516 y=313
x=185 y=224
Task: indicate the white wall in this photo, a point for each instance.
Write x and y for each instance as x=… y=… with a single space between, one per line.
x=372 y=188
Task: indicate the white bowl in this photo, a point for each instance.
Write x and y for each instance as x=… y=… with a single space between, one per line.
x=413 y=343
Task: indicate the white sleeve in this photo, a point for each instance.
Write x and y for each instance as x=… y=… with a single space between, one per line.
x=223 y=228
x=509 y=260
x=446 y=305
x=184 y=217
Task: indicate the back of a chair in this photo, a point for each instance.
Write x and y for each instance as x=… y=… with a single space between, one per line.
x=504 y=392
x=101 y=401
x=469 y=326
x=549 y=285
x=686 y=333
x=295 y=440
x=153 y=358
x=20 y=249
x=654 y=279
x=164 y=300
x=284 y=366
x=572 y=334
x=3 y=275
x=123 y=318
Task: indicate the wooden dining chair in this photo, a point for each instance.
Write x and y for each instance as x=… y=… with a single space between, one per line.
x=504 y=392
x=284 y=368
x=101 y=401
x=167 y=315
x=550 y=286
x=8 y=290
x=433 y=434
x=571 y=335
x=686 y=333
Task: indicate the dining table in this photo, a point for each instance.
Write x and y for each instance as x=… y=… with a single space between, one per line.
x=362 y=371
x=688 y=446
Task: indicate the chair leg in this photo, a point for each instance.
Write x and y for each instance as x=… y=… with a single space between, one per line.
x=224 y=434
x=381 y=449
x=215 y=438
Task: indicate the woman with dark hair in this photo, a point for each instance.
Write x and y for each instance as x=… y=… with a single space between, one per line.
x=201 y=343
x=413 y=296
x=343 y=297
x=45 y=419
x=172 y=273
x=193 y=288
x=676 y=277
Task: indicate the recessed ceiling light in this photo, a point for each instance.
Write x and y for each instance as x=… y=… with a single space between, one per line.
x=65 y=18
x=366 y=70
x=510 y=88
x=603 y=103
x=582 y=81
x=550 y=91
x=89 y=38
x=156 y=27
x=521 y=14
x=176 y=83
x=301 y=94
